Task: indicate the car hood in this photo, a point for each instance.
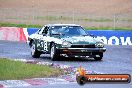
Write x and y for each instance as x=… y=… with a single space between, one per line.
x=80 y=39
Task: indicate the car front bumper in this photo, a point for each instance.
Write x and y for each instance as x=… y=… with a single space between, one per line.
x=82 y=52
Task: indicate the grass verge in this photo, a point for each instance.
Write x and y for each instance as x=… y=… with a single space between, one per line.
x=18 y=70
x=39 y=26
x=6 y=24
x=108 y=28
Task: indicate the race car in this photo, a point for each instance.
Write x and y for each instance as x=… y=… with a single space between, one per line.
x=65 y=40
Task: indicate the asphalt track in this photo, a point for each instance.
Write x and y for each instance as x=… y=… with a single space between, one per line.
x=117 y=59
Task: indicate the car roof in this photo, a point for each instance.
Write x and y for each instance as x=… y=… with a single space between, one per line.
x=62 y=25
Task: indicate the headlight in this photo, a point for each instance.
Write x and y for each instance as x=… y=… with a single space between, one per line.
x=66 y=44
x=99 y=44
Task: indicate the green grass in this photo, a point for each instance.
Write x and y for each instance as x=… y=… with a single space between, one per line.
x=107 y=28
x=6 y=24
x=52 y=18
x=95 y=20
x=127 y=20
x=19 y=70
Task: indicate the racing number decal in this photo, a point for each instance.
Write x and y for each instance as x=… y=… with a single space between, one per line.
x=42 y=45
x=39 y=44
x=45 y=46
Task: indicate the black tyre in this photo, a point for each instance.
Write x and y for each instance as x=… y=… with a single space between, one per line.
x=81 y=80
x=54 y=53
x=34 y=52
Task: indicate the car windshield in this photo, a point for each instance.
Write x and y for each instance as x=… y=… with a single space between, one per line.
x=68 y=30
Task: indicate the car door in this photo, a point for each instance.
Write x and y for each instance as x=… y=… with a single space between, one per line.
x=41 y=42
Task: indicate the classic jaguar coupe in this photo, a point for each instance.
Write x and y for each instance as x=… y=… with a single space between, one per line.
x=67 y=40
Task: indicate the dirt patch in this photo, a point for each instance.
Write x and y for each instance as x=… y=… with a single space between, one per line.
x=21 y=11
x=83 y=6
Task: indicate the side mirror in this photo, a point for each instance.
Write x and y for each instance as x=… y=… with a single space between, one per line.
x=44 y=34
x=92 y=35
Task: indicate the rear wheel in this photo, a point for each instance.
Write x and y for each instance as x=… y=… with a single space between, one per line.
x=54 y=54
x=34 y=52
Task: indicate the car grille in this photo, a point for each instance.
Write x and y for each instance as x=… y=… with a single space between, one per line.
x=83 y=46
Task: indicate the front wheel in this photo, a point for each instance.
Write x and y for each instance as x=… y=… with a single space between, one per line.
x=34 y=52
x=54 y=54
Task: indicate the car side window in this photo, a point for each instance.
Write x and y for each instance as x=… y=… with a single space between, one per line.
x=45 y=31
x=41 y=30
